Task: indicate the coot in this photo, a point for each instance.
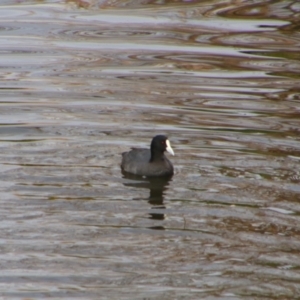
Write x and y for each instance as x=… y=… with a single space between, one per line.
x=149 y=162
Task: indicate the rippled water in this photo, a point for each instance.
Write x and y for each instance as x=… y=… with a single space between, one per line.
x=83 y=81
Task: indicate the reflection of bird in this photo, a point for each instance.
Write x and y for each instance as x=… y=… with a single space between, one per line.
x=157 y=186
x=149 y=162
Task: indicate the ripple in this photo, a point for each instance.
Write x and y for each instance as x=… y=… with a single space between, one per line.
x=105 y=32
x=261 y=9
x=131 y=32
x=80 y=86
x=271 y=66
x=8 y=28
x=270 y=41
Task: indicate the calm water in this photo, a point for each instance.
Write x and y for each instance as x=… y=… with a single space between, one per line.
x=83 y=81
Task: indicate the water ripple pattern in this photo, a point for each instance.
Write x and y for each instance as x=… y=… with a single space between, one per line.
x=84 y=80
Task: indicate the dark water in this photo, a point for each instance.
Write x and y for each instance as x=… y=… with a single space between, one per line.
x=83 y=81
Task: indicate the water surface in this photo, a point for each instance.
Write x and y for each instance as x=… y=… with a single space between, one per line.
x=83 y=81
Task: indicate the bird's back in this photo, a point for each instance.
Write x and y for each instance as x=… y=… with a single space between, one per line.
x=137 y=161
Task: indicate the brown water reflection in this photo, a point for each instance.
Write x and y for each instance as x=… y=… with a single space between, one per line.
x=83 y=81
